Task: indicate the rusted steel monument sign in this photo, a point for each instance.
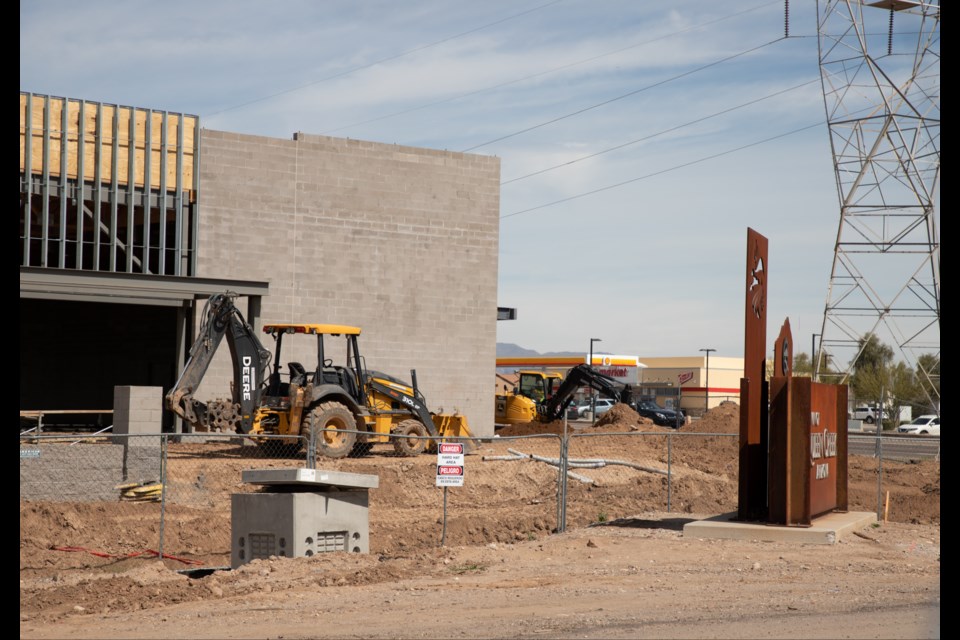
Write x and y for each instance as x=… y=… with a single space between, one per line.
x=793 y=431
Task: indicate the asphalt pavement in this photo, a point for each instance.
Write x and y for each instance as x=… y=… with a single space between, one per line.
x=894 y=447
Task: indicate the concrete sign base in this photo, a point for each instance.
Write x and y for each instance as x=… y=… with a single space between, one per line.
x=827 y=529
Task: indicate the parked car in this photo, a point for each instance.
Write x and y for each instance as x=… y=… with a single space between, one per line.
x=582 y=407
x=603 y=405
x=660 y=415
x=924 y=425
x=867 y=414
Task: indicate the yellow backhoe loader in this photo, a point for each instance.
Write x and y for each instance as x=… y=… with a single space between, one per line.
x=345 y=407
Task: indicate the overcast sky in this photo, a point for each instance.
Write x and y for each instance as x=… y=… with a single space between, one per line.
x=642 y=246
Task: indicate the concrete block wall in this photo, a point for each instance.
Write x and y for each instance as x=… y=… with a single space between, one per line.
x=137 y=410
x=86 y=471
x=400 y=241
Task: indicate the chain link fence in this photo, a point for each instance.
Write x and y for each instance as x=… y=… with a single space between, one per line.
x=533 y=463
x=201 y=472
x=887 y=471
x=675 y=471
x=170 y=494
x=121 y=495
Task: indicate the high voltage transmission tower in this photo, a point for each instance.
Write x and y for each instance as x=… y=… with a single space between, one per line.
x=880 y=70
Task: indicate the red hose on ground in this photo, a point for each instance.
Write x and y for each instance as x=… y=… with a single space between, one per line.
x=136 y=554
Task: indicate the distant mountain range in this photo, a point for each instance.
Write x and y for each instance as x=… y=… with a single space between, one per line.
x=510 y=350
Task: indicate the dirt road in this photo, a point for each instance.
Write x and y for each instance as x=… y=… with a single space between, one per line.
x=634 y=578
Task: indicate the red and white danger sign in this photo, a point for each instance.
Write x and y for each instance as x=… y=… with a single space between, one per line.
x=450 y=464
x=449 y=470
x=453 y=448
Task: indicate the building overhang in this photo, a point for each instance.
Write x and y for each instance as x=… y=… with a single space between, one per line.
x=128 y=288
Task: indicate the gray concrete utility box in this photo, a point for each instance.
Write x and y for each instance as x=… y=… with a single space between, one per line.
x=301 y=512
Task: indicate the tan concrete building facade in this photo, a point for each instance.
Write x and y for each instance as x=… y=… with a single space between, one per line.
x=399 y=241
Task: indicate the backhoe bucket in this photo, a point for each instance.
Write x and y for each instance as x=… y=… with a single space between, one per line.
x=451 y=428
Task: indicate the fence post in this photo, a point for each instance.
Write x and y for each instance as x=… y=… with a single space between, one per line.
x=879 y=471
x=669 y=472
x=562 y=506
x=443 y=533
x=312 y=449
x=163 y=490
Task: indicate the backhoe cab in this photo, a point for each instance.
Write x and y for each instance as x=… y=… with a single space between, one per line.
x=527 y=399
x=332 y=402
x=336 y=401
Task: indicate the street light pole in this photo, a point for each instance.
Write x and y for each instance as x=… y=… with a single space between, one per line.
x=592 y=340
x=706 y=392
x=593 y=396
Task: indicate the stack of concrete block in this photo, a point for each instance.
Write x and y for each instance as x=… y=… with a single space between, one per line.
x=137 y=411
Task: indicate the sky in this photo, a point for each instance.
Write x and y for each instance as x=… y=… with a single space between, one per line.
x=701 y=120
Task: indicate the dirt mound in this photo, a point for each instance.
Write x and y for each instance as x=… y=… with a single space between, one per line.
x=621 y=415
x=532 y=429
x=717 y=455
x=620 y=418
x=724 y=418
x=913 y=487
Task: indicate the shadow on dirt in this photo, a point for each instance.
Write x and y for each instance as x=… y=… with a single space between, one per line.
x=674 y=524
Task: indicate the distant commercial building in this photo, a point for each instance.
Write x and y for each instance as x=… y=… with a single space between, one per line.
x=662 y=376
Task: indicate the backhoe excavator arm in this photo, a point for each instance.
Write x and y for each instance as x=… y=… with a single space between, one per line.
x=250 y=363
x=581 y=375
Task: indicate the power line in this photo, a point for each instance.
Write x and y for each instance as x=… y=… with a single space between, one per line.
x=658 y=133
x=622 y=96
x=867 y=34
x=547 y=71
x=661 y=172
x=382 y=60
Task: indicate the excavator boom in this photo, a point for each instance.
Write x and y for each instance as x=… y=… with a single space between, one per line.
x=585 y=375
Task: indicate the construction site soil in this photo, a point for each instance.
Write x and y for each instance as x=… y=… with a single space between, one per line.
x=622 y=569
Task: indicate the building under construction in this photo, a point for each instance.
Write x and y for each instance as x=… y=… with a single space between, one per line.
x=131 y=217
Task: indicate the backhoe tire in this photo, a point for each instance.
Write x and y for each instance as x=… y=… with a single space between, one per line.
x=410 y=446
x=361 y=449
x=335 y=428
